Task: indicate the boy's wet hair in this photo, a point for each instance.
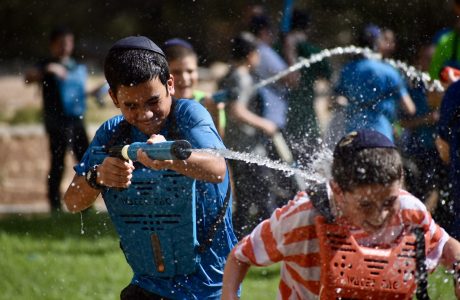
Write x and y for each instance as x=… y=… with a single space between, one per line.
x=134 y=60
x=178 y=48
x=242 y=45
x=365 y=157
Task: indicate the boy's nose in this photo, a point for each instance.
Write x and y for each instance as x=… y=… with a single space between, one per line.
x=146 y=114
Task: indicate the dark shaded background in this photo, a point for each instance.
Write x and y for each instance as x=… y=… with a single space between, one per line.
x=25 y=25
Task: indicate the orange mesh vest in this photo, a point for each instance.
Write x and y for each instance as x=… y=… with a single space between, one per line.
x=353 y=272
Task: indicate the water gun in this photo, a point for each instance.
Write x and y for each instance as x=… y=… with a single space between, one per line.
x=174 y=150
x=351 y=271
x=220 y=96
x=224 y=95
x=156 y=204
x=447 y=73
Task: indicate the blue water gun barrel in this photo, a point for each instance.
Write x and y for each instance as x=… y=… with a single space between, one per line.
x=174 y=150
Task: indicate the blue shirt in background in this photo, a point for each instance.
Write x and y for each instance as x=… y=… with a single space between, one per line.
x=373 y=89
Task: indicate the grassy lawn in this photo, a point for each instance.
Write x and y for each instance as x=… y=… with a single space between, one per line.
x=50 y=258
x=77 y=257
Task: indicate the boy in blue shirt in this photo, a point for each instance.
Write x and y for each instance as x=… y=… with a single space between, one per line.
x=374 y=90
x=63 y=84
x=142 y=88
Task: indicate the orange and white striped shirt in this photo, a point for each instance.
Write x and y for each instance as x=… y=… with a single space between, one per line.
x=289 y=236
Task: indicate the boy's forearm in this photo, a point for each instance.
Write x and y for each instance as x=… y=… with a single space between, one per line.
x=451 y=260
x=234 y=273
x=451 y=252
x=443 y=149
x=79 y=195
x=202 y=166
x=407 y=104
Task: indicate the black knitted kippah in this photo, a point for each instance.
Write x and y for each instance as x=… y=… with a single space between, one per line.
x=362 y=139
x=137 y=42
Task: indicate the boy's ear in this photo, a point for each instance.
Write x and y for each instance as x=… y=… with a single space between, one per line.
x=170 y=85
x=114 y=98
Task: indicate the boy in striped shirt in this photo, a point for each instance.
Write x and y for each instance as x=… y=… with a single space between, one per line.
x=365 y=196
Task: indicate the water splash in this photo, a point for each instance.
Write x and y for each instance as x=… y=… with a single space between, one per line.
x=410 y=71
x=82 y=230
x=316 y=172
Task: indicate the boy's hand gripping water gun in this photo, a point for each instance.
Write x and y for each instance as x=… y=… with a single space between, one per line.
x=168 y=150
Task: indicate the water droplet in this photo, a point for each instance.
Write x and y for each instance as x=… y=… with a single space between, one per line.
x=82 y=230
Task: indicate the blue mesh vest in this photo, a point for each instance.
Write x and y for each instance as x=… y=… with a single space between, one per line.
x=155 y=218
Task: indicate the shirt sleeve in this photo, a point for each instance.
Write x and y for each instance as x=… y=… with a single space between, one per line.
x=403 y=91
x=396 y=83
x=272 y=240
x=196 y=126
x=438 y=238
x=101 y=138
x=85 y=163
x=416 y=213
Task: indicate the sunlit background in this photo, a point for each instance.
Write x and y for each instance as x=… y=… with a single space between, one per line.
x=77 y=256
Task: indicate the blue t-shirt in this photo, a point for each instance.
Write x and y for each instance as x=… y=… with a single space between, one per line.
x=193 y=123
x=372 y=88
x=449 y=131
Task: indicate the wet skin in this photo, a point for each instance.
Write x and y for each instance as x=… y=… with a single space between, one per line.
x=369 y=207
x=145 y=105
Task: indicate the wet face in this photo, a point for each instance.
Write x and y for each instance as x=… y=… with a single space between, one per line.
x=369 y=207
x=185 y=72
x=146 y=105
